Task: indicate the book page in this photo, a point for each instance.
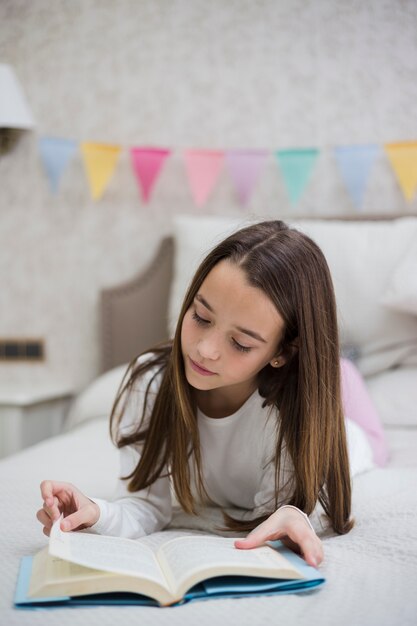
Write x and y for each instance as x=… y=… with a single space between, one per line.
x=182 y=558
x=156 y=540
x=111 y=554
x=51 y=570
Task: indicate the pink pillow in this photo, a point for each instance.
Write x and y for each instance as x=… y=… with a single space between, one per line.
x=359 y=408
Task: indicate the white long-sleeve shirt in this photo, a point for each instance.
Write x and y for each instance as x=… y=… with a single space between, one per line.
x=237 y=465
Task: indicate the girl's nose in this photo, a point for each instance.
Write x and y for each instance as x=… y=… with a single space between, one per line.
x=208 y=348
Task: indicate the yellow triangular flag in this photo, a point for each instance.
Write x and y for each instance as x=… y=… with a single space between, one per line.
x=99 y=161
x=403 y=158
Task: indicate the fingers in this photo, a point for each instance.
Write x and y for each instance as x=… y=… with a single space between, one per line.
x=56 y=496
x=49 y=514
x=303 y=538
x=53 y=510
x=309 y=548
x=269 y=530
x=52 y=505
x=47 y=491
x=63 y=498
x=305 y=542
x=257 y=538
x=44 y=518
x=294 y=532
x=86 y=516
x=50 y=488
x=312 y=551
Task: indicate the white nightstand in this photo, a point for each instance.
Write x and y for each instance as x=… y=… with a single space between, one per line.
x=31 y=415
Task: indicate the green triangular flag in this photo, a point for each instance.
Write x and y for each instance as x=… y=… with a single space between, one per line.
x=296 y=166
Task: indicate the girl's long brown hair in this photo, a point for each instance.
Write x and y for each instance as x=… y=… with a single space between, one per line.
x=291 y=269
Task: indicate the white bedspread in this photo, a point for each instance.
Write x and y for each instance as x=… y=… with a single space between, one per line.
x=371 y=572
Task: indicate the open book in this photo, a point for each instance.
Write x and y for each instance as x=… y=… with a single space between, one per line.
x=165 y=568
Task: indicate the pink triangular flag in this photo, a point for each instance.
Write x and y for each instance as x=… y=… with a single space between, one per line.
x=147 y=164
x=245 y=167
x=203 y=168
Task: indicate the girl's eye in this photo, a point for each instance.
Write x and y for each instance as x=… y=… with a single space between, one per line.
x=239 y=347
x=203 y=322
x=200 y=320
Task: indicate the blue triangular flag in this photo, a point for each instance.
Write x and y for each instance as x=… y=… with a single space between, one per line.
x=355 y=163
x=56 y=154
x=296 y=166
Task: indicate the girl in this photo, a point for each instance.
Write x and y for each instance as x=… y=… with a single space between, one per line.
x=242 y=410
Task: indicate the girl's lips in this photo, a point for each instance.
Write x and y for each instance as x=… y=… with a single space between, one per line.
x=200 y=370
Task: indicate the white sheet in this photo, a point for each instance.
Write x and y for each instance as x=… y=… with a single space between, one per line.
x=371 y=572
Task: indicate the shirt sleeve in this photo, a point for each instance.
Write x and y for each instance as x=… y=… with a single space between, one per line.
x=135 y=514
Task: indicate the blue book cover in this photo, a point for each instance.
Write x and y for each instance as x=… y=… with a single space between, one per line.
x=230 y=586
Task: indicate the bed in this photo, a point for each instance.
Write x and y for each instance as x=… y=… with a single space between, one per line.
x=371 y=572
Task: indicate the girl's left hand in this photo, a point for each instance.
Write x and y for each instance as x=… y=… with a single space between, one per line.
x=290 y=526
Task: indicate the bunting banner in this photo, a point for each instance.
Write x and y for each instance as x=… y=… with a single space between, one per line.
x=56 y=153
x=203 y=169
x=99 y=160
x=403 y=159
x=147 y=164
x=355 y=164
x=296 y=166
x=245 y=168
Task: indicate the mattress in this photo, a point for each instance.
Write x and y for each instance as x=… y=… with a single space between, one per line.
x=371 y=572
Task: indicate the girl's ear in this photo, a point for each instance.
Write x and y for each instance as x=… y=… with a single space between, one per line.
x=285 y=355
x=277 y=361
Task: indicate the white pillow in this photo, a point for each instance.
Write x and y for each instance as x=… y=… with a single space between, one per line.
x=395 y=396
x=402 y=289
x=97 y=399
x=360 y=452
x=361 y=257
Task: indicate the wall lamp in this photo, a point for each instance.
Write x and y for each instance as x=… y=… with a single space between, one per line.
x=15 y=114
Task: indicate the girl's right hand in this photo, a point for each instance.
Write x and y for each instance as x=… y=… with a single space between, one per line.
x=64 y=498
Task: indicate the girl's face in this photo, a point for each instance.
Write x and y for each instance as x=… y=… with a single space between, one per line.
x=231 y=331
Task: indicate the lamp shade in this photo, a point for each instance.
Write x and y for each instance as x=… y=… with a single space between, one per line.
x=14 y=110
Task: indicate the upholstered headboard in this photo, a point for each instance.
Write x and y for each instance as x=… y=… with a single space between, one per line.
x=134 y=314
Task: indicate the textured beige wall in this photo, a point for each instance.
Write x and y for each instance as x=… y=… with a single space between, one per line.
x=182 y=73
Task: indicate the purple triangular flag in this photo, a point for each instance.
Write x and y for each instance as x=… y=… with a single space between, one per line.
x=245 y=168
